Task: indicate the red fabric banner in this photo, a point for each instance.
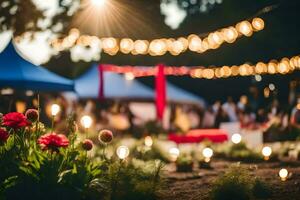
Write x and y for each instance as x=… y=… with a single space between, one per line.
x=160 y=92
x=101 y=82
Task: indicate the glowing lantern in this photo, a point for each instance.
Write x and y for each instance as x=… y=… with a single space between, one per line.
x=55 y=108
x=283 y=174
x=258 y=24
x=266 y=152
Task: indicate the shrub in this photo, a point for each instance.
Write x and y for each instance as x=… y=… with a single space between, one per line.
x=238 y=184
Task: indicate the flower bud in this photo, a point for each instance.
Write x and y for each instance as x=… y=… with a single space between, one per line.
x=32 y=115
x=105 y=136
x=87 y=144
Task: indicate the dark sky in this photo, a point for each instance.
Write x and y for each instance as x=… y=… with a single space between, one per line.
x=280 y=38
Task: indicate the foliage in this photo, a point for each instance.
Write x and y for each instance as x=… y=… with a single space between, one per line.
x=241 y=152
x=184 y=163
x=25 y=16
x=31 y=172
x=238 y=184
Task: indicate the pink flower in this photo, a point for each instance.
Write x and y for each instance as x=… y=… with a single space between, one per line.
x=87 y=144
x=15 y=120
x=105 y=136
x=4 y=135
x=53 y=141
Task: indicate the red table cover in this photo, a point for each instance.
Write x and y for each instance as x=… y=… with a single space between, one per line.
x=197 y=135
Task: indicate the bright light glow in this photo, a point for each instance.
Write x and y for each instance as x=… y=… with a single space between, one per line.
x=148 y=141
x=236 y=138
x=55 y=108
x=122 y=152
x=98 y=2
x=258 y=24
x=86 y=121
x=129 y=76
x=174 y=153
x=258 y=78
x=207 y=152
x=283 y=174
x=266 y=151
x=271 y=86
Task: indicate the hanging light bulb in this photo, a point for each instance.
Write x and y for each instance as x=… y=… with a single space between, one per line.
x=258 y=24
x=194 y=42
x=126 y=45
x=244 y=28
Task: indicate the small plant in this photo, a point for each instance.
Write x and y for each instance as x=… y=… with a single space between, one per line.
x=184 y=163
x=238 y=184
x=240 y=152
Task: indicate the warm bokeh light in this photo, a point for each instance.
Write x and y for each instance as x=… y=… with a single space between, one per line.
x=86 y=121
x=236 y=138
x=148 y=141
x=98 y=2
x=258 y=24
x=207 y=154
x=174 y=153
x=55 y=108
x=283 y=174
x=122 y=152
x=266 y=152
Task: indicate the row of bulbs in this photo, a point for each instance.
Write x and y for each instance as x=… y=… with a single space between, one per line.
x=159 y=47
x=283 y=66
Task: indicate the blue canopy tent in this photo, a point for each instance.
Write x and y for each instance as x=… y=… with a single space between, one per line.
x=115 y=86
x=18 y=73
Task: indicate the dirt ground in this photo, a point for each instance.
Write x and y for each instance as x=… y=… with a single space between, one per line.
x=196 y=185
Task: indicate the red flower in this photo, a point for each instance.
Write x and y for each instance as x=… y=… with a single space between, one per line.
x=32 y=115
x=105 y=136
x=53 y=141
x=3 y=135
x=15 y=120
x=87 y=144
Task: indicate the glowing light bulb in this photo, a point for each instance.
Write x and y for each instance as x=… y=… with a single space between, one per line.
x=207 y=153
x=236 y=138
x=174 y=153
x=126 y=45
x=258 y=24
x=148 y=141
x=98 y=2
x=283 y=174
x=245 y=28
x=194 y=43
x=122 y=152
x=266 y=152
x=86 y=121
x=141 y=46
x=55 y=108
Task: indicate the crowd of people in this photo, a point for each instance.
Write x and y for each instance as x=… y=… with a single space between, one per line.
x=247 y=111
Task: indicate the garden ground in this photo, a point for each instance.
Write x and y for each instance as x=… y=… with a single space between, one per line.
x=196 y=185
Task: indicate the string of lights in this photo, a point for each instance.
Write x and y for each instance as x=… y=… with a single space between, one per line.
x=284 y=66
x=159 y=47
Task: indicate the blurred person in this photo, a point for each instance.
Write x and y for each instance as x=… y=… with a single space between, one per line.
x=241 y=105
x=230 y=108
x=209 y=118
x=221 y=117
